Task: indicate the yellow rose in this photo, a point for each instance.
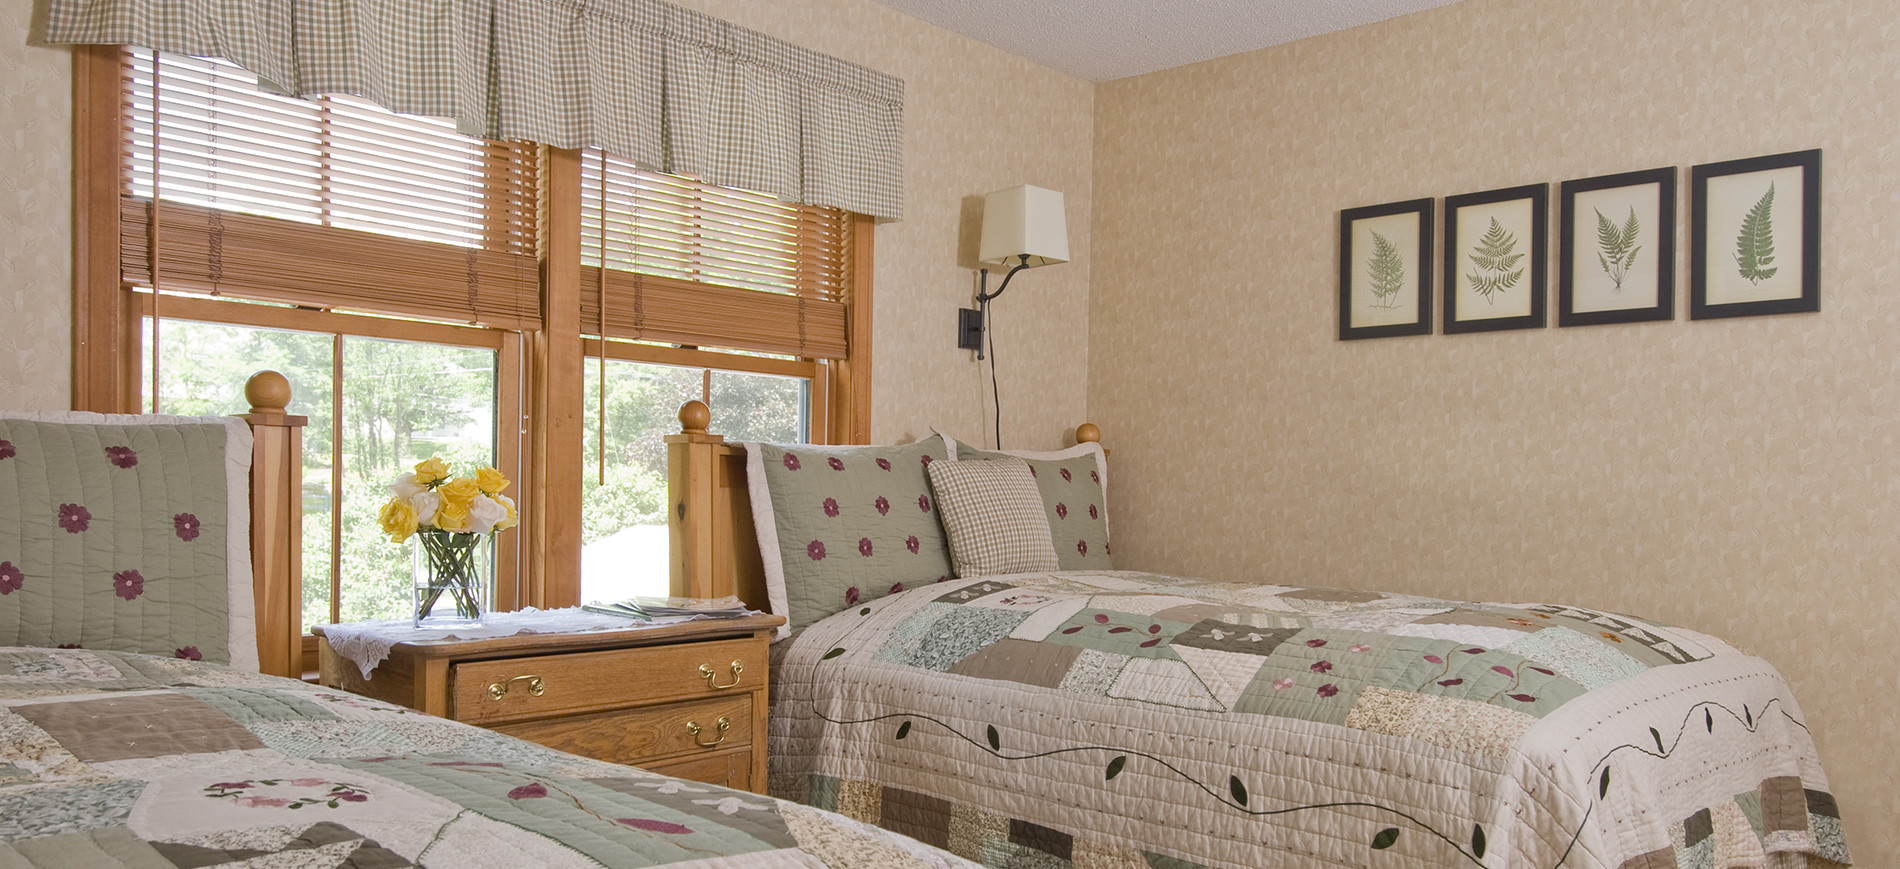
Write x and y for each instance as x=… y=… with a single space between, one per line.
x=490 y=481
x=451 y=517
x=398 y=519
x=457 y=495
x=513 y=519
x=460 y=490
x=432 y=472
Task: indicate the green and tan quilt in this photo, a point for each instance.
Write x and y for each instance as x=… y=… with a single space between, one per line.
x=115 y=759
x=1117 y=719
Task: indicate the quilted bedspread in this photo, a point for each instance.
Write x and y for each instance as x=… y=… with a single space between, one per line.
x=1118 y=719
x=111 y=759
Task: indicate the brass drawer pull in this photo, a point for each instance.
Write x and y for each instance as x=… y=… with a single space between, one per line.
x=725 y=724
x=498 y=690
x=706 y=673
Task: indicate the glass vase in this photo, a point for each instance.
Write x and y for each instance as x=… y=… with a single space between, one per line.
x=454 y=578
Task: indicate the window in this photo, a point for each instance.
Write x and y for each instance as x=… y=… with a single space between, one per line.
x=415 y=286
x=624 y=537
x=375 y=405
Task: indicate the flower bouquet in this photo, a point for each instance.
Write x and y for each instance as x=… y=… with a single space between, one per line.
x=453 y=521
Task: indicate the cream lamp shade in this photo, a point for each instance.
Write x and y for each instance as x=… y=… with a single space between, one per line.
x=1021 y=221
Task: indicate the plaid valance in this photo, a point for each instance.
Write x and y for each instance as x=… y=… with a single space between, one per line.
x=671 y=89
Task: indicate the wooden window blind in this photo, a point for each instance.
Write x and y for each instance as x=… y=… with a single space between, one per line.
x=697 y=265
x=330 y=202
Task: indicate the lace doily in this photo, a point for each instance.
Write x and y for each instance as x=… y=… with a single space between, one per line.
x=367 y=643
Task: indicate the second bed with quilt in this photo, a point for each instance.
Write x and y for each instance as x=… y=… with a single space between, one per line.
x=965 y=666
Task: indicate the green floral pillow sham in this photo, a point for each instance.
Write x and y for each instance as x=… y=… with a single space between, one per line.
x=127 y=533
x=840 y=526
x=1074 y=486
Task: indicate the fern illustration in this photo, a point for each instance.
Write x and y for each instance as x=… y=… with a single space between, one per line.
x=1387 y=269
x=1494 y=258
x=1755 y=246
x=1616 y=248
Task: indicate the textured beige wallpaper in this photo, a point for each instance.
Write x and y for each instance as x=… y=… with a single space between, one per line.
x=36 y=248
x=975 y=120
x=1740 y=477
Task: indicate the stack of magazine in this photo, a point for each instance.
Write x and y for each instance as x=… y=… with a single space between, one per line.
x=672 y=609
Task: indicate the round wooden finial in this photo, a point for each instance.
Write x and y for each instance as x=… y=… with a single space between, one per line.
x=695 y=416
x=1087 y=433
x=268 y=392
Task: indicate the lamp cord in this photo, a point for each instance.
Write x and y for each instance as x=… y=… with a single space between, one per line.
x=996 y=398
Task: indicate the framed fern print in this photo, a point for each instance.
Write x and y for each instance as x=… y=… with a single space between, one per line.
x=1385 y=270
x=1755 y=236
x=1495 y=250
x=1616 y=248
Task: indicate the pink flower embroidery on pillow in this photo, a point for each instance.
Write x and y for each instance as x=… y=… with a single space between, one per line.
x=122 y=457
x=883 y=506
x=128 y=584
x=883 y=464
x=831 y=507
x=896 y=587
x=816 y=549
x=1062 y=510
x=1092 y=514
x=11 y=578
x=1082 y=546
x=6 y=450
x=836 y=463
x=791 y=462
x=864 y=546
x=923 y=503
x=1065 y=475
x=188 y=653
x=74 y=518
x=851 y=596
x=910 y=543
x=186 y=525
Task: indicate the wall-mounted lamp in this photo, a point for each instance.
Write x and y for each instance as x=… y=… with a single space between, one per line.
x=1023 y=228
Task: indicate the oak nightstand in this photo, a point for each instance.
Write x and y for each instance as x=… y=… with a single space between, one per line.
x=685 y=699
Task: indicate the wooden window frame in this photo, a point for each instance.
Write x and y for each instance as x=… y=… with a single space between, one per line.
x=547 y=363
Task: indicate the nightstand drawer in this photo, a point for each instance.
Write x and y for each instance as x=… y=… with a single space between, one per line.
x=633 y=735
x=732 y=769
x=514 y=689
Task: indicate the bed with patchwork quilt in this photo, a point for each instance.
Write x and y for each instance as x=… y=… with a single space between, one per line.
x=1111 y=718
x=123 y=759
x=140 y=593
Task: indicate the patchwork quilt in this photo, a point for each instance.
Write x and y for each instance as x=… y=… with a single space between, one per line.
x=115 y=759
x=1119 y=719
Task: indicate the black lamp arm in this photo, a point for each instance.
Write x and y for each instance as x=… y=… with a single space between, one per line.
x=984 y=295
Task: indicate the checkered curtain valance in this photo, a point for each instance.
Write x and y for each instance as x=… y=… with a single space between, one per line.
x=671 y=89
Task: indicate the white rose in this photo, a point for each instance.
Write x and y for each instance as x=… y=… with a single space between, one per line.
x=483 y=513
x=406 y=487
x=425 y=503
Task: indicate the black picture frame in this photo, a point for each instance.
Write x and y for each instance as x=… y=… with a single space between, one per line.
x=1617 y=268
x=1380 y=294
x=1472 y=298
x=1737 y=247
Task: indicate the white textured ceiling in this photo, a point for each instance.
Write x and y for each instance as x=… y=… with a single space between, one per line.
x=1101 y=40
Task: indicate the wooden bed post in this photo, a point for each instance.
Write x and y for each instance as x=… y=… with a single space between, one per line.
x=715 y=552
x=276 y=523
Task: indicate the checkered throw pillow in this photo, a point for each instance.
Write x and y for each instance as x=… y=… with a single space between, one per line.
x=993 y=516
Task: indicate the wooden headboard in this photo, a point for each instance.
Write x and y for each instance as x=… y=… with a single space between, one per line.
x=276 y=523
x=715 y=551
